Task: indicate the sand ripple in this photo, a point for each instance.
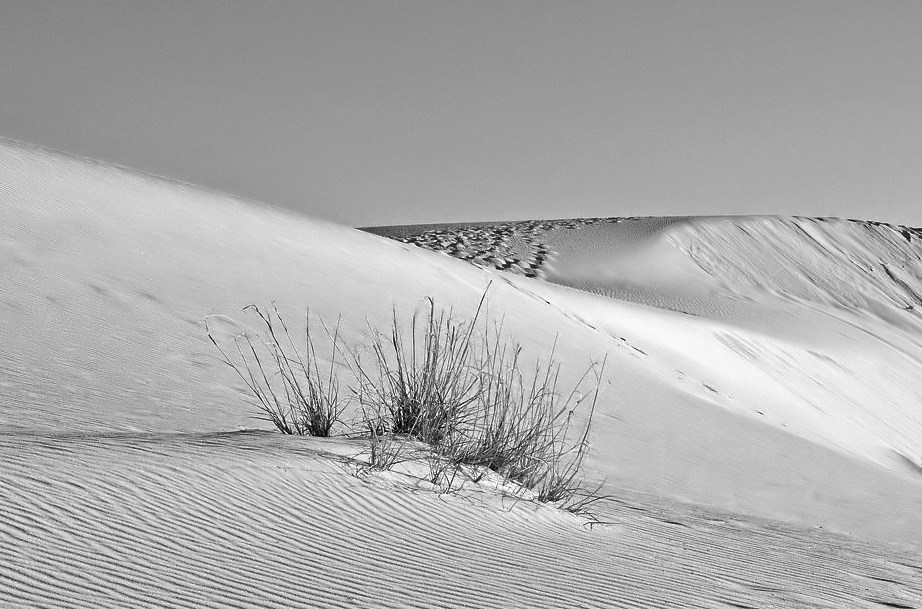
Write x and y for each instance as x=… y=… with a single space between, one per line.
x=258 y=520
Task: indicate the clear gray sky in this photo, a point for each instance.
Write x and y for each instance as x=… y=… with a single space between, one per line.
x=401 y=112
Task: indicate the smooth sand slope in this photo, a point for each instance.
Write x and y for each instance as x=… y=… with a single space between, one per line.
x=760 y=430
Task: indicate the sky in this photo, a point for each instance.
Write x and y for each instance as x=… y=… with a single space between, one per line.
x=394 y=112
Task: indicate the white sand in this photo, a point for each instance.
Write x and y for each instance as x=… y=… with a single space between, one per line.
x=784 y=399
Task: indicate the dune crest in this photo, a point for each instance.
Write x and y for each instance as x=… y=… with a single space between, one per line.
x=842 y=263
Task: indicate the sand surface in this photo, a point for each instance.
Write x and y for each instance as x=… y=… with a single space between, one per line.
x=759 y=433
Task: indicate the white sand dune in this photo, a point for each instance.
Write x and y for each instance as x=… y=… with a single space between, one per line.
x=760 y=430
x=251 y=520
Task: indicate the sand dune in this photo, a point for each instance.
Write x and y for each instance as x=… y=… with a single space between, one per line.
x=253 y=519
x=847 y=263
x=760 y=430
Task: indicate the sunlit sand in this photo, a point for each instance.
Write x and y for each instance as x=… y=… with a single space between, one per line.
x=759 y=432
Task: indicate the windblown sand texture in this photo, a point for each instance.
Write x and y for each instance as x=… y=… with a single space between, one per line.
x=760 y=430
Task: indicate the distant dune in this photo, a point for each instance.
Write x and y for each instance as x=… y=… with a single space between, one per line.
x=759 y=433
x=852 y=263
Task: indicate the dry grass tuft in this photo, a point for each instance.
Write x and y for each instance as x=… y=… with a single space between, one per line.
x=285 y=381
x=457 y=386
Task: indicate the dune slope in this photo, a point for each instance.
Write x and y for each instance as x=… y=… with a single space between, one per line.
x=256 y=520
x=133 y=472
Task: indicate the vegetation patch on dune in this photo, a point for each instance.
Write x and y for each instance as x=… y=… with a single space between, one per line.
x=459 y=387
x=286 y=381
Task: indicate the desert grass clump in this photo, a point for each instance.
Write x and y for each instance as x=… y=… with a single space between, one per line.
x=464 y=390
x=286 y=381
x=525 y=428
x=421 y=381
